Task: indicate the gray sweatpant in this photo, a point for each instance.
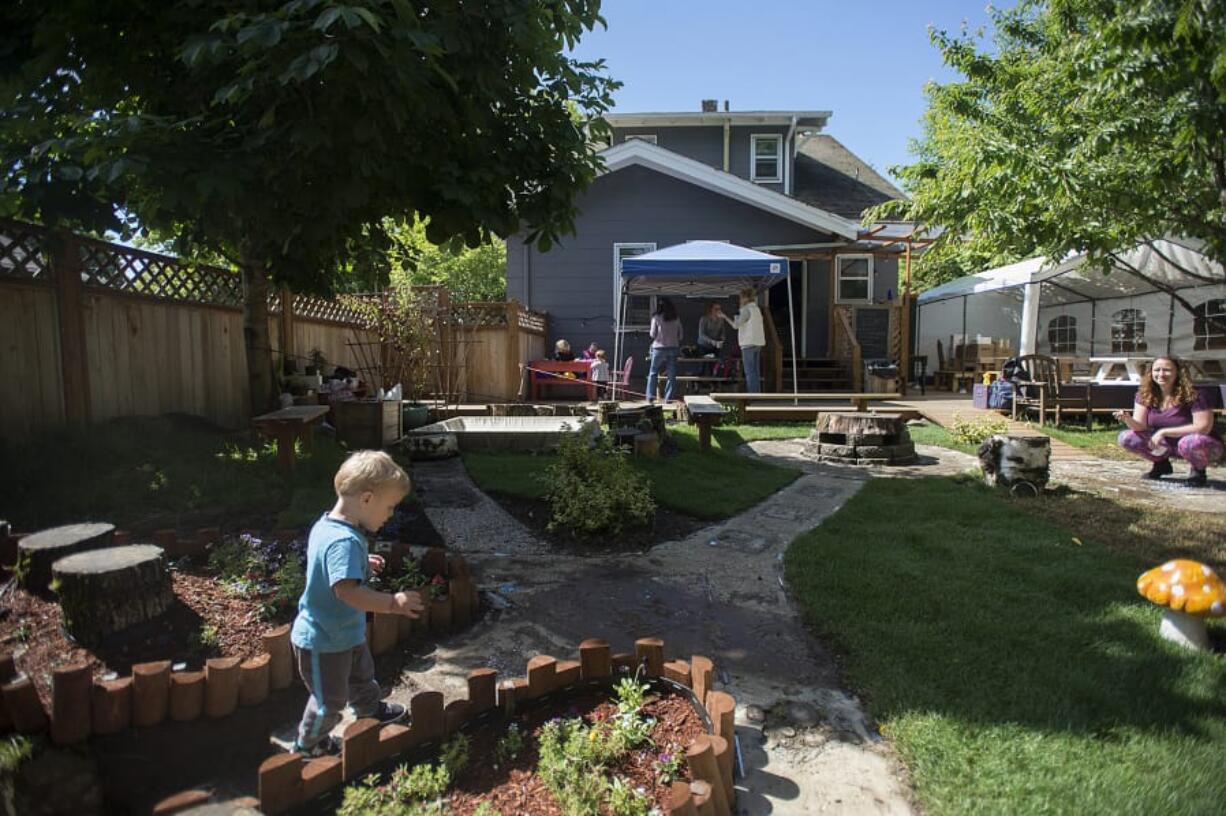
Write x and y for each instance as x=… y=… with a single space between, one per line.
x=334 y=679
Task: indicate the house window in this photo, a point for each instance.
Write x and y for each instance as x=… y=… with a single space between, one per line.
x=854 y=279
x=766 y=158
x=1209 y=325
x=1128 y=330
x=642 y=137
x=1062 y=335
x=638 y=307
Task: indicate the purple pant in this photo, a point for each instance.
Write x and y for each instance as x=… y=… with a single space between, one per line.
x=1200 y=450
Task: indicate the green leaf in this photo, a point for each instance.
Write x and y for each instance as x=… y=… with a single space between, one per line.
x=264 y=34
x=326 y=18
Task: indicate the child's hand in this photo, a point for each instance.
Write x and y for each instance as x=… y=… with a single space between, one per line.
x=376 y=563
x=408 y=604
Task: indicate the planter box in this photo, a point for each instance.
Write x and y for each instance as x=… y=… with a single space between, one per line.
x=367 y=423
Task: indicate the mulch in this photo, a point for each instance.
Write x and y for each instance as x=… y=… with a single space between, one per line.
x=31 y=625
x=516 y=788
x=666 y=525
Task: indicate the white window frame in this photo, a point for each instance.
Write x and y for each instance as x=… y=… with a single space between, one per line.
x=753 y=158
x=1065 y=334
x=838 y=277
x=647 y=246
x=650 y=138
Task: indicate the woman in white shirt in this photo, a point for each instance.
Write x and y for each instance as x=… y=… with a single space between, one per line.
x=665 y=345
x=751 y=336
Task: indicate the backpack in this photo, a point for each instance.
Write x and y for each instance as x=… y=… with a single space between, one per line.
x=1014 y=371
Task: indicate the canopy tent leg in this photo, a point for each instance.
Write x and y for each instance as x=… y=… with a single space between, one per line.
x=1030 y=319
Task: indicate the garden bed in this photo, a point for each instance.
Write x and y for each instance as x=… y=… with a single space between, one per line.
x=222 y=605
x=666 y=525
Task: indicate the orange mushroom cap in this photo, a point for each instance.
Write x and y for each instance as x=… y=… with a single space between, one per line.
x=1185 y=586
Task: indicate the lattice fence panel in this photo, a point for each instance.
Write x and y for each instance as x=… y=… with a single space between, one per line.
x=21 y=252
x=316 y=308
x=143 y=273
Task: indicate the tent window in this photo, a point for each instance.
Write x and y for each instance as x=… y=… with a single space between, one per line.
x=1062 y=335
x=766 y=158
x=1209 y=324
x=854 y=278
x=638 y=307
x=1128 y=331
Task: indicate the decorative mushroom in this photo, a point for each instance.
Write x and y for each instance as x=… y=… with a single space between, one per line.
x=1191 y=592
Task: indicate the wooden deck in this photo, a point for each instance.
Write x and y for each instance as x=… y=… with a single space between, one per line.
x=940 y=408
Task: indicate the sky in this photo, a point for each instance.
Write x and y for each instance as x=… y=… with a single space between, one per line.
x=865 y=62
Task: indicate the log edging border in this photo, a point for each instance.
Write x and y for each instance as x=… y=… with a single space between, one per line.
x=288 y=780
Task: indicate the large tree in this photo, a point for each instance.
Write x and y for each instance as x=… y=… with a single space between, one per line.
x=1087 y=126
x=282 y=135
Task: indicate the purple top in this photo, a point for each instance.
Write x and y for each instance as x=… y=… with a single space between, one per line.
x=665 y=333
x=1177 y=415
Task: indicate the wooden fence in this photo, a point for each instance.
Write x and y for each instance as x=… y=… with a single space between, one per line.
x=91 y=330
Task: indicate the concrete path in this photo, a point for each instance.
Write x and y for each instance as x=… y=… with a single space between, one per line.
x=807 y=744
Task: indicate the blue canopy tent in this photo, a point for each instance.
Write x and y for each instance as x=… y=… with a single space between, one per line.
x=701 y=269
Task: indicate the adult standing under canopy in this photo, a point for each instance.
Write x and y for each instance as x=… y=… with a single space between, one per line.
x=700 y=269
x=751 y=337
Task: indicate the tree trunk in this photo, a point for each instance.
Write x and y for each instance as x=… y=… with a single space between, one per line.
x=258 y=345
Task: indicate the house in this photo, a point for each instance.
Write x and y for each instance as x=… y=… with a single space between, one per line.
x=770 y=180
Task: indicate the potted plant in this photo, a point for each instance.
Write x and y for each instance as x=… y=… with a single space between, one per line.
x=318 y=361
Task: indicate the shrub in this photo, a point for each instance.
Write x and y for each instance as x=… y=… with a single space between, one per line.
x=508 y=747
x=974 y=431
x=291 y=582
x=594 y=489
x=236 y=558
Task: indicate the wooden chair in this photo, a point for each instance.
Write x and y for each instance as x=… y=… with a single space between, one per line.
x=1044 y=391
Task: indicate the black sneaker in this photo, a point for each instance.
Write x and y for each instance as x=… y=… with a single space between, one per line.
x=1198 y=479
x=328 y=746
x=1161 y=468
x=388 y=713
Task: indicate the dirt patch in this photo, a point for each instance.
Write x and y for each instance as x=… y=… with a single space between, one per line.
x=666 y=525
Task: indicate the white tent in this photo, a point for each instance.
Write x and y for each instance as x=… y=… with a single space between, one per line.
x=1162 y=297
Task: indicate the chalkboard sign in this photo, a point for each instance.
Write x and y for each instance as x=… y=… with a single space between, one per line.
x=873 y=332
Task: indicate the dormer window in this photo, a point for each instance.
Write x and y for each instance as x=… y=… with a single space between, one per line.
x=642 y=137
x=766 y=158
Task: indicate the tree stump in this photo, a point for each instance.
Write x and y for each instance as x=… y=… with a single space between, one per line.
x=861 y=439
x=1015 y=461
x=40 y=550
x=105 y=591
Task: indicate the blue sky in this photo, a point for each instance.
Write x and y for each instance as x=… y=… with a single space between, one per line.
x=866 y=62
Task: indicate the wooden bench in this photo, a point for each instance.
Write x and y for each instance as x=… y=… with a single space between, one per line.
x=705 y=413
x=286 y=426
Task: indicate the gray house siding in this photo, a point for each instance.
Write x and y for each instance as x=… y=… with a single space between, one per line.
x=573 y=282
x=706 y=144
x=817 y=332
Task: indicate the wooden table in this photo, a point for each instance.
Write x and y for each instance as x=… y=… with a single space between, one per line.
x=705 y=413
x=553 y=372
x=288 y=425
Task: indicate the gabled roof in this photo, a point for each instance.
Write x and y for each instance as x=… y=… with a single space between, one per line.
x=831 y=177
x=654 y=157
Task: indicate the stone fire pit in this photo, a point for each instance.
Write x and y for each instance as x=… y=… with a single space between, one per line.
x=861 y=439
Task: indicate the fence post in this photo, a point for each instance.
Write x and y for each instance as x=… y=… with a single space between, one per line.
x=512 y=355
x=285 y=326
x=66 y=269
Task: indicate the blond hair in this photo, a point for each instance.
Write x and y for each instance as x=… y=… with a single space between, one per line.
x=369 y=470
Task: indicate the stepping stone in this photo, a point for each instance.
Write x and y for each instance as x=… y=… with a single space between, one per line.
x=40 y=550
x=106 y=591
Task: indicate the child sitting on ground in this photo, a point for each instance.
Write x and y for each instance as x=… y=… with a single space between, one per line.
x=329 y=634
x=598 y=372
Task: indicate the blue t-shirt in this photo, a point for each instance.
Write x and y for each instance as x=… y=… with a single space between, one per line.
x=336 y=551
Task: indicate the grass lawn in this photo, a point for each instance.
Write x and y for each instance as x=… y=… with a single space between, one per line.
x=1015 y=668
x=933 y=434
x=713 y=485
x=1100 y=441
x=170 y=471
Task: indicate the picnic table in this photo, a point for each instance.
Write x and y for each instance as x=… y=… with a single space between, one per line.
x=554 y=372
x=286 y=426
x=1134 y=368
x=705 y=413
